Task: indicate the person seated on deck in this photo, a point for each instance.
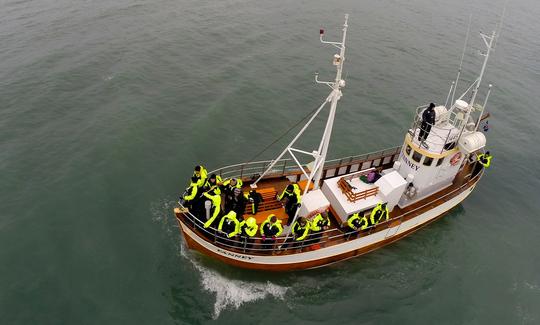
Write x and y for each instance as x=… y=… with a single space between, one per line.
x=320 y=223
x=357 y=222
x=229 y=226
x=300 y=231
x=229 y=185
x=293 y=196
x=248 y=229
x=485 y=159
x=235 y=202
x=212 y=206
x=270 y=229
x=200 y=173
x=256 y=199
x=212 y=183
x=379 y=214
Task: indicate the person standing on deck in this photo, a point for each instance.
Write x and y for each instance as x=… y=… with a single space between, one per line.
x=293 y=196
x=212 y=183
x=485 y=159
x=357 y=222
x=200 y=173
x=379 y=213
x=428 y=119
x=236 y=202
x=212 y=206
x=300 y=231
x=248 y=229
x=319 y=224
x=229 y=227
x=189 y=198
x=270 y=229
x=229 y=185
x=255 y=199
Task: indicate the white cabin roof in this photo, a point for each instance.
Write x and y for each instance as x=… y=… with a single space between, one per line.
x=341 y=205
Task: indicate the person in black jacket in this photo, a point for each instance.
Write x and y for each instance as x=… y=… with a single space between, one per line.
x=256 y=199
x=236 y=202
x=428 y=119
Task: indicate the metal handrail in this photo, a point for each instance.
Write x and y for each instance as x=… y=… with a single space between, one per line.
x=417 y=125
x=281 y=168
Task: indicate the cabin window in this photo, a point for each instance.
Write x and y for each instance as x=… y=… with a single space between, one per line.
x=450 y=145
x=408 y=150
x=439 y=162
x=428 y=161
x=416 y=156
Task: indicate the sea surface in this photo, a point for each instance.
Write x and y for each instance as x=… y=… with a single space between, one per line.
x=106 y=106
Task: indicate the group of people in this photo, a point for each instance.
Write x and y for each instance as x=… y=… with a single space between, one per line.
x=204 y=197
x=360 y=221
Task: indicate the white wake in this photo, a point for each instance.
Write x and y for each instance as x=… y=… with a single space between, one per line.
x=230 y=293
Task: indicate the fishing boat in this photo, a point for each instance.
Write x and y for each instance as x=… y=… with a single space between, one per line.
x=433 y=170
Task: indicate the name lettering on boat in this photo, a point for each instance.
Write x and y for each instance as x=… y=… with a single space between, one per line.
x=245 y=257
x=408 y=162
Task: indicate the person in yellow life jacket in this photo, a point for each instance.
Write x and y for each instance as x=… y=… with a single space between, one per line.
x=229 y=185
x=191 y=191
x=319 y=223
x=379 y=214
x=294 y=199
x=212 y=206
x=248 y=229
x=356 y=222
x=300 y=231
x=200 y=173
x=485 y=159
x=229 y=225
x=189 y=197
x=212 y=183
x=270 y=229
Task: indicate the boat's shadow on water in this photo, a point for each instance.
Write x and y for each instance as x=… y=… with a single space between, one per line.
x=404 y=265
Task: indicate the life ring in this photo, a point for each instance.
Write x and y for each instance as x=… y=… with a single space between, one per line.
x=455 y=159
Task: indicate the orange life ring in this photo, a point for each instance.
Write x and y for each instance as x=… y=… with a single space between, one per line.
x=455 y=159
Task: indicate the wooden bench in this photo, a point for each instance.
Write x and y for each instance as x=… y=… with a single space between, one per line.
x=269 y=202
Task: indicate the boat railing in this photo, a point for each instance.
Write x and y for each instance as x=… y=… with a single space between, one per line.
x=439 y=139
x=257 y=245
x=287 y=167
x=348 y=190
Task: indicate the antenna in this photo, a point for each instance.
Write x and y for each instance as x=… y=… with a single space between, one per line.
x=489 y=42
x=454 y=85
x=499 y=25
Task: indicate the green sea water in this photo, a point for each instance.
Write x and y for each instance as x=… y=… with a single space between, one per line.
x=106 y=106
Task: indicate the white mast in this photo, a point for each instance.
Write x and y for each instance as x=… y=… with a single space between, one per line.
x=338 y=83
x=316 y=169
x=489 y=42
x=489 y=46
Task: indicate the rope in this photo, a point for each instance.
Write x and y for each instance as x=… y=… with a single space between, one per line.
x=283 y=135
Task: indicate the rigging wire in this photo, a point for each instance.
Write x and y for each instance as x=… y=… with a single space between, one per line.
x=283 y=135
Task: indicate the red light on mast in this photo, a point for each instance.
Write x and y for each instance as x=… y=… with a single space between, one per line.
x=321 y=31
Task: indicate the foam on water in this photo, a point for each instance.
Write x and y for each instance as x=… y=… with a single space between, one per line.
x=234 y=293
x=230 y=293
